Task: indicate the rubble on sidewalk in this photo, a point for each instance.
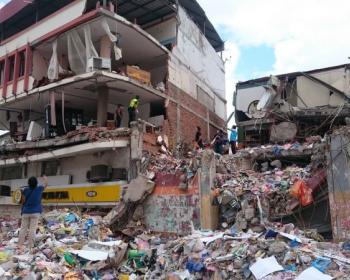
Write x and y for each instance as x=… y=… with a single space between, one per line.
x=69 y=245
x=73 y=245
x=233 y=255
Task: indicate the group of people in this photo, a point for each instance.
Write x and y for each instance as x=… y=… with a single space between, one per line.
x=219 y=141
x=132 y=111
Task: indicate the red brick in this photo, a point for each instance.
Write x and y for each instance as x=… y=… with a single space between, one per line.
x=188 y=120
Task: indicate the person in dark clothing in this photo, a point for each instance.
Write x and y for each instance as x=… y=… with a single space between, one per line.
x=31 y=210
x=132 y=109
x=119 y=115
x=198 y=138
x=218 y=142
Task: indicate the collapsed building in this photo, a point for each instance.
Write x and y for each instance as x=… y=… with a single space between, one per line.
x=292 y=106
x=278 y=117
x=66 y=65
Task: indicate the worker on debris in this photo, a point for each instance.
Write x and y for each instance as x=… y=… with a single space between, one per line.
x=134 y=104
x=217 y=142
x=119 y=115
x=233 y=139
x=31 y=210
x=198 y=138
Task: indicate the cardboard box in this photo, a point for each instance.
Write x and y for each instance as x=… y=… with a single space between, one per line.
x=138 y=74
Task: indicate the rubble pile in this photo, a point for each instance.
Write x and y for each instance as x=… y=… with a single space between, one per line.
x=97 y=133
x=127 y=215
x=281 y=252
x=238 y=193
x=11 y=148
x=162 y=163
x=73 y=245
x=249 y=192
x=69 y=245
x=311 y=146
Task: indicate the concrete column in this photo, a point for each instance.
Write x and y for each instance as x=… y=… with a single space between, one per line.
x=136 y=147
x=136 y=140
x=105 y=47
x=102 y=106
x=209 y=214
x=208 y=125
x=178 y=123
x=53 y=108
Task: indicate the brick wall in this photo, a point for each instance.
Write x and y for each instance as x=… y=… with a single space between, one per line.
x=216 y=119
x=188 y=120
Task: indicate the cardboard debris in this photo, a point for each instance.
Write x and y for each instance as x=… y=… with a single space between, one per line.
x=264 y=267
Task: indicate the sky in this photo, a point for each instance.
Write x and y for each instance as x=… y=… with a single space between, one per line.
x=278 y=36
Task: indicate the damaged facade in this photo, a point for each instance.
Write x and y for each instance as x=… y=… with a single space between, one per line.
x=292 y=106
x=66 y=65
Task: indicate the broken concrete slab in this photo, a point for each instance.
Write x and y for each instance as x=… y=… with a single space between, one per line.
x=137 y=189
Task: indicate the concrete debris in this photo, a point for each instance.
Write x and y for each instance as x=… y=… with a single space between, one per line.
x=250 y=245
x=283 y=132
x=64 y=248
x=238 y=191
x=83 y=135
x=127 y=215
x=137 y=189
x=311 y=146
x=234 y=255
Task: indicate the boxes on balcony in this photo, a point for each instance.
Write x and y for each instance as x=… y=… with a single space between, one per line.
x=138 y=74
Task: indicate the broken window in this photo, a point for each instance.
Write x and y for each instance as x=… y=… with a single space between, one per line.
x=49 y=168
x=12 y=68
x=11 y=172
x=157 y=109
x=22 y=63
x=55 y=195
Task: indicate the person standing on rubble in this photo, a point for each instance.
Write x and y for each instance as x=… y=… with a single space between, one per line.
x=134 y=104
x=31 y=210
x=218 y=142
x=233 y=139
x=119 y=115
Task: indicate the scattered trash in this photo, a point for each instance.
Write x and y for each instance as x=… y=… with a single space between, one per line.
x=313 y=274
x=115 y=244
x=264 y=267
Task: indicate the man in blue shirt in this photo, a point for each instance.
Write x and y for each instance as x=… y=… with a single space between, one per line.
x=31 y=210
x=233 y=139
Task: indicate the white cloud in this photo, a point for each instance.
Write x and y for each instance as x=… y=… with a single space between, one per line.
x=3 y=3
x=304 y=34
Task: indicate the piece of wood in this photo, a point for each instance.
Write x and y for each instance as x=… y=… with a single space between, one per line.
x=209 y=213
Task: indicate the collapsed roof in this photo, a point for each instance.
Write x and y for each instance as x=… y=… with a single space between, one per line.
x=292 y=75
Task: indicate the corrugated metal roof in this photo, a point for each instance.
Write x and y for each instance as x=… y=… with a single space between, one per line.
x=147 y=11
